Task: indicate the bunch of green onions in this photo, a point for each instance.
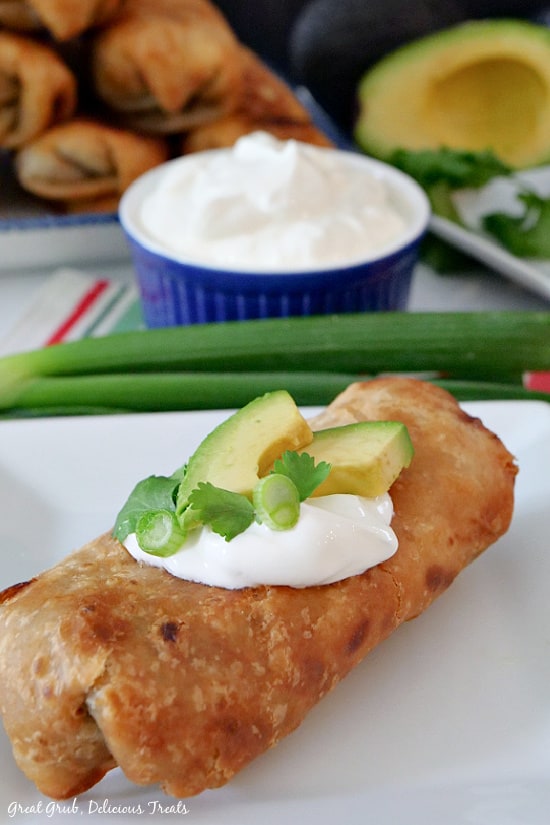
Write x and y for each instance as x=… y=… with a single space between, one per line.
x=476 y=355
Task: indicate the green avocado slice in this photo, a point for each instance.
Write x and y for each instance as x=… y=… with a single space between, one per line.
x=365 y=458
x=241 y=449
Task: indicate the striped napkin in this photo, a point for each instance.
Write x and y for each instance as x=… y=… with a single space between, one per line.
x=71 y=305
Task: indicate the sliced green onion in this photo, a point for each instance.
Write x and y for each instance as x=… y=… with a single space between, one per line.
x=276 y=502
x=159 y=533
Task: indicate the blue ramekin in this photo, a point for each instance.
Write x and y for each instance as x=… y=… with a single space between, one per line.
x=176 y=292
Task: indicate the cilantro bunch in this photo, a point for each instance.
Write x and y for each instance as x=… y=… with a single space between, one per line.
x=442 y=171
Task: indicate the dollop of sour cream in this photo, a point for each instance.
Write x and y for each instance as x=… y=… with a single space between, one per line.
x=270 y=205
x=335 y=537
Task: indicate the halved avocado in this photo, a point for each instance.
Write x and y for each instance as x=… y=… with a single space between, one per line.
x=480 y=85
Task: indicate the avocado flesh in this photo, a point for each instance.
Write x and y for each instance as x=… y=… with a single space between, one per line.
x=365 y=458
x=242 y=449
x=481 y=85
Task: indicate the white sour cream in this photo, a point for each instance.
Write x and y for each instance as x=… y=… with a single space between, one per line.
x=335 y=537
x=270 y=205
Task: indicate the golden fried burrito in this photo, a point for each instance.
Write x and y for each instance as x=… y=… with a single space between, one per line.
x=265 y=103
x=63 y=19
x=107 y=662
x=85 y=165
x=37 y=89
x=164 y=65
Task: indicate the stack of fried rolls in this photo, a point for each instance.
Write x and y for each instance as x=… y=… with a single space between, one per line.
x=166 y=65
x=160 y=77
x=104 y=662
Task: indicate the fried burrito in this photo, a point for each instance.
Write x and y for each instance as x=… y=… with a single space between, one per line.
x=164 y=65
x=37 y=89
x=84 y=165
x=265 y=103
x=105 y=662
x=60 y=18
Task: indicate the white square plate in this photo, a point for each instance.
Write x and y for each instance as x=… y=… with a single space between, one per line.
x=447 y=722
x=529 y=273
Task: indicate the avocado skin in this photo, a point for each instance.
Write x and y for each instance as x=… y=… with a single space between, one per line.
x=333 y=42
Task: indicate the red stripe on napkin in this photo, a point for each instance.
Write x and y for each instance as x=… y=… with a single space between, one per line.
x=538 y=381
x=87 y=301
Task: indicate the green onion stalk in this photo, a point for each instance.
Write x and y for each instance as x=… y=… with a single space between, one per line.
x=224 y=365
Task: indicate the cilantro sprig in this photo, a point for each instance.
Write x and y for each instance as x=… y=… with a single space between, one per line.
x=152 y=493
x=225 y=512
x=443 y=171
x=526 y=235
x=150 y=511
x=302 y=470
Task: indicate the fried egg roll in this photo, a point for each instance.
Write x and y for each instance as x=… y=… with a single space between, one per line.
x=164 y=65
x=104 y=662
x=225 y=132
x=83 y=165
x=266 y=103
x=63 y=19
x=37 y=89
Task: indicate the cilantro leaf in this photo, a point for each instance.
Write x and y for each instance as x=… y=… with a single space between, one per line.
x=302 y=470
x=457 y=168
x=226 y=513
x=526 y=235
x=152 y=493
x=440 y=171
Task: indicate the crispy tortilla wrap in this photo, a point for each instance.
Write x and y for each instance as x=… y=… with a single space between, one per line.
x=37 y=89
x=165 y=65
x=85 y=165
x=104 y=662
x=264 y=102
x=63 y=19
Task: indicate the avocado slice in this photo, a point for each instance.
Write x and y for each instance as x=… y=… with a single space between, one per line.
x=480 y=85
x=365 y=458
x=243 y=448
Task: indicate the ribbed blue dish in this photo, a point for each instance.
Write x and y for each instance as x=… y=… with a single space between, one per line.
x=173 y=294
x=175 y=291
